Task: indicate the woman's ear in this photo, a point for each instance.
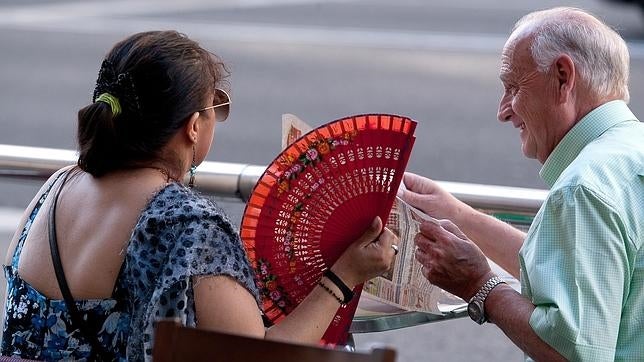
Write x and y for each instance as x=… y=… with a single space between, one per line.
x=192 y=127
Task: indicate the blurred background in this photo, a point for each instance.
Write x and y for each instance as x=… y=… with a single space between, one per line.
x=435 y=61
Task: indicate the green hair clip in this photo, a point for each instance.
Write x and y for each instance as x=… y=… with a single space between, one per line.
x=112 y=101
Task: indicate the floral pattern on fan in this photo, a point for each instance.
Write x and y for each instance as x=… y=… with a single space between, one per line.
x=290 y=235
x=269 y=287
x=311 y=156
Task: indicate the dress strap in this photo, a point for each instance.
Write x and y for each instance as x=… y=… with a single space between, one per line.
x=25 y=230
x=98 y=350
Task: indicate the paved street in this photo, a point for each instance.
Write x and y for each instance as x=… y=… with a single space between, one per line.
x=434 y=61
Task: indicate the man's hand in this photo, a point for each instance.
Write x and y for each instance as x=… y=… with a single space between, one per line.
x=500 y=241
x=450 y=260
x=427 y=196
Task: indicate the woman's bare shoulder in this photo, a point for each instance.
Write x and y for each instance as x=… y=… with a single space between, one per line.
x=30 y=207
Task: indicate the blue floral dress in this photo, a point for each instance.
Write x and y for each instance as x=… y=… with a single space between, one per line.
x=178 y=235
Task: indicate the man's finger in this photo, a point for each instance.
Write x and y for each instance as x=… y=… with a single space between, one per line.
x=421 y=256
x=452 y=228
x=412 y=198
x=418 y=184
x=431 y=229
x=423 y=241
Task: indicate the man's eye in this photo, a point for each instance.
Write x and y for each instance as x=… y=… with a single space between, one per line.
x=511 y=89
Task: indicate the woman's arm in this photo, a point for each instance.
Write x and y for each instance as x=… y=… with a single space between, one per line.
x=223 y=304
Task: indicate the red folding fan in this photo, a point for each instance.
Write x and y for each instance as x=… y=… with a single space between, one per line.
x=318 y=196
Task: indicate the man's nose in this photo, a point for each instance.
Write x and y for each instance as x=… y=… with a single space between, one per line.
x=505 y=112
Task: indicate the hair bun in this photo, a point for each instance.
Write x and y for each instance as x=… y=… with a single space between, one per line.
x=120 y=85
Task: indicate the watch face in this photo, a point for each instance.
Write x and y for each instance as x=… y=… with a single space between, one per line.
x=475 y=311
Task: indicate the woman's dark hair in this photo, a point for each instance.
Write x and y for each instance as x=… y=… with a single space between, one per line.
x=160 y=79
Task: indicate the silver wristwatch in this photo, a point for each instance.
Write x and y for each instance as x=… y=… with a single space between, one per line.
x=476 y=306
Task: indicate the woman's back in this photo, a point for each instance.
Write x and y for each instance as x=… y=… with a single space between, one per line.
x=173 y=236
x=94 y=221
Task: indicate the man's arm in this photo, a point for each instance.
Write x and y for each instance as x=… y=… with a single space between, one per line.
x=454 y=263
x=577 y=267
x=511 y=312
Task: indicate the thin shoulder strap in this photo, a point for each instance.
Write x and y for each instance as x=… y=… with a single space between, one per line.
x=62 y=281
x=15 y=258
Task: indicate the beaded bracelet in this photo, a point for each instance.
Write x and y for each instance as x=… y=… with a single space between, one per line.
x=331 y=292
x=347 y=293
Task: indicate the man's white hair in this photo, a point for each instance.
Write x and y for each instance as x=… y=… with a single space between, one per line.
x=599 y=53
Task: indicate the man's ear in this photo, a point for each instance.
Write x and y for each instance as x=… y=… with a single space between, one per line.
x=566 y=74
x=192 y=127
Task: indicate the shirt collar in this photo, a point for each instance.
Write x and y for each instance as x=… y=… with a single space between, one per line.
x=586 y=130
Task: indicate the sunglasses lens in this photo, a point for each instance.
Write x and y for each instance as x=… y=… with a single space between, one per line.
x=222 y=98
x=222 y=112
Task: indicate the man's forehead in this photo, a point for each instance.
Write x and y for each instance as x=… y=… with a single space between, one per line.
x=507 y=62
x=516 y=57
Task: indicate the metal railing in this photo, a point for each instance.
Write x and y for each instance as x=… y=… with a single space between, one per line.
x=235 y=180
x=229 y=180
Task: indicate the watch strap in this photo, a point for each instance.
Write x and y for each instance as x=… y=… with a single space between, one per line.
x=480 y=296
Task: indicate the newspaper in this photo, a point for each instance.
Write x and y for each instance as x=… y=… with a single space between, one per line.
x=403 y=288
x=292 y=129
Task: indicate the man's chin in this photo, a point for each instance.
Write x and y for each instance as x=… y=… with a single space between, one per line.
x=527 y=152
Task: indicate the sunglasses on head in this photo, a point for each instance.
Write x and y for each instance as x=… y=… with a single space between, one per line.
x=222 y=101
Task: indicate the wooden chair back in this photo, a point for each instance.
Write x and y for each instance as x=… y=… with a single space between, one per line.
x=175 y=342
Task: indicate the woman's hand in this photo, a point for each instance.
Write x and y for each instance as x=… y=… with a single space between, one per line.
x=368 y=257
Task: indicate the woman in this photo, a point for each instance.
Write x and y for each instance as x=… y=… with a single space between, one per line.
x=135 y=244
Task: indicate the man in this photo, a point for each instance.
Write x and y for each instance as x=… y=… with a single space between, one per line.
x=581 y=264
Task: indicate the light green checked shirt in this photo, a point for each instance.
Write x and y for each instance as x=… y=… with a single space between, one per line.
x=582 y=263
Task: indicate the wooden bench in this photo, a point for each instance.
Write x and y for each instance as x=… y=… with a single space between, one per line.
x=175 y=342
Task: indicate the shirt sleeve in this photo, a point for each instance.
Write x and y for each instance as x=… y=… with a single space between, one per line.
x=209 y=246
x=182 y=238
x=578 y=276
